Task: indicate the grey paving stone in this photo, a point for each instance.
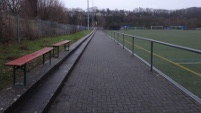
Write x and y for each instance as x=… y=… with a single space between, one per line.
x=108 y=79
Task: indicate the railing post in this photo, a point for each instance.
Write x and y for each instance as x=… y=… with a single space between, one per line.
x=133 y=46
x=152 y=44
x=123 y=41
x=117 y=38
x=111 y=33
x=114 y=36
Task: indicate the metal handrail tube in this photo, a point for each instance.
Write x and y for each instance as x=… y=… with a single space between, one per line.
x=152 y=45
x=164 y=43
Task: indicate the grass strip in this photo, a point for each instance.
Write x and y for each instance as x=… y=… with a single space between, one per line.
x=13 y=50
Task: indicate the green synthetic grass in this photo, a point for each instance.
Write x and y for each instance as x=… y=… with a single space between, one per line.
x=182 y=66
x=188 y=38
x=13 y=50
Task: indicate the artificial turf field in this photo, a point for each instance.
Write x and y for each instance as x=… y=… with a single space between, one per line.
x=182 y=66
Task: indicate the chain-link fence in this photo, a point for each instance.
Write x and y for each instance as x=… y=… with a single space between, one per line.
x=16 y=28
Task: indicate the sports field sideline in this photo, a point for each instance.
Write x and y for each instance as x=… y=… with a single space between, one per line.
x=182 y=66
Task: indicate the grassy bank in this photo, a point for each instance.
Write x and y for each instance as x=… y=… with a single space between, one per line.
x=13 y=50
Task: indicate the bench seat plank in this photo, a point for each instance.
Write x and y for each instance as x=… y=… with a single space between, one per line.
x=66 y=43
x=22 y=60
x=20 y=63
x=61 y=43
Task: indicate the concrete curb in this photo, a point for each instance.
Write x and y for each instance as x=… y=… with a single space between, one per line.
x=67 y=75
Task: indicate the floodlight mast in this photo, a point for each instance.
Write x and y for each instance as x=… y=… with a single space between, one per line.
x=92 y=14
x=88 y=13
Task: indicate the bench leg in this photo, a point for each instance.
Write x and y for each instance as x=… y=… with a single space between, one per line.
x=57 y=51
x=50 y=57
x=14 y=69
x=14 y=73
x=25 y=73
x=43 y=58
x=53 y=51
x=56 y=48
x=68 y=45
x=65 y=47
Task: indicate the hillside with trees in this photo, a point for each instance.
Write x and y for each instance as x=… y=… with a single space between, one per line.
x=190 y=17
x=145 y=17
x=30 y=11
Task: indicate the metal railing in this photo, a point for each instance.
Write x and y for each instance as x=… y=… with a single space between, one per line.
x=116 y=36
x=12 y=27
x=188 y=84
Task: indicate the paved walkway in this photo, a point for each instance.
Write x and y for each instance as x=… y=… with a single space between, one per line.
x=107 y=79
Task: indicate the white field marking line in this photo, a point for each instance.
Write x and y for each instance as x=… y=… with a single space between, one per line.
x=177 y=64
x=190 y=63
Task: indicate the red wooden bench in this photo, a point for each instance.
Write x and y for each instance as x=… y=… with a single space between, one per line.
x=56 y=46
x=20 y=63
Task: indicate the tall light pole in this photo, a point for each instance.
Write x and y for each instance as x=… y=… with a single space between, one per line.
x=88 y=13
x=92 y=14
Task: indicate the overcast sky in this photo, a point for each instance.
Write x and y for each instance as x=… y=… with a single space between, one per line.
x=132 y=4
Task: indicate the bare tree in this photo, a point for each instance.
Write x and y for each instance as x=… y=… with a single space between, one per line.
x=29 y=9
x=52 y=10
x=14 y=6
x=3 y=5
